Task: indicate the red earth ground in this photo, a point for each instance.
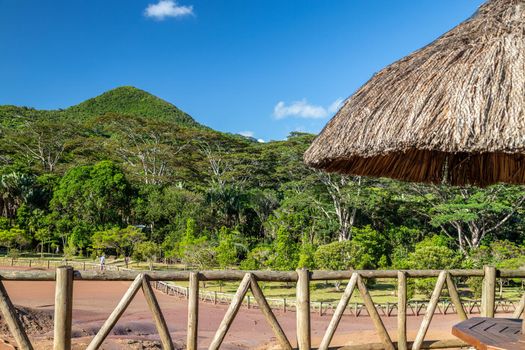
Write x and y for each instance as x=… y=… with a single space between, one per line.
x=94 y=301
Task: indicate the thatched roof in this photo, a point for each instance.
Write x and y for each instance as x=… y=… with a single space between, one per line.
x=455 y=109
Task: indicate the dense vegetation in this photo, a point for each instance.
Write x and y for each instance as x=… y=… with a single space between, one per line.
x=131 y=175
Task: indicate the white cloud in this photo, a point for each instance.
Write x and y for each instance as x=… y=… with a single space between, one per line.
x=303 y=109
x=300 y=109
x=167 y=8
x=246 y=133
x=336 y=105
x=250 y=134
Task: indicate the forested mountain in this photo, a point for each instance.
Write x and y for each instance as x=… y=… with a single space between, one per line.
x=127 y=172
x=125 y=100
x=130 y=101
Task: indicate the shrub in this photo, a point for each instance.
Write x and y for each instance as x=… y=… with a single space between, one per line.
x=257 y=258
x=146 y=251
x=432 y=253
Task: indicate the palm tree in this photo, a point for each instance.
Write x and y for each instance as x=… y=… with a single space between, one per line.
x=15 y=190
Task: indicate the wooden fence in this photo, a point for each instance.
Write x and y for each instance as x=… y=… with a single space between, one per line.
x=327 y=308
x=54 y=263
x=65 y=277
x=322 y=308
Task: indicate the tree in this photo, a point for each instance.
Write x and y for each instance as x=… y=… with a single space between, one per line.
x=189 y=239
x=340 y=255
x=401 y=241
x=43 y=140
x=301 y=217
x=147 y=146
x=263 y=203
x=230 y=204
x=226 y=250
x=307 y=256
x=285 y=251
x=502 y=254
x=218 y=164
x=343 y=191
x=13 y=236
x=98 y=194
x=165 y=210
x=258 y=258
x=432 y=253
x=200 y=255
x=44 y=236
x=16 y=189
x=372 y=246
x=122 y=240
x=469 y=215
x=515 y=263
x=146 y=251
x=80 y=237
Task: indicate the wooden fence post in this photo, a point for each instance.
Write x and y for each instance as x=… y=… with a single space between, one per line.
x=488 y=295
x=231 y=312
x=158 y=317
x=374 y=315
x=193 y=311
x=63 y=308
x=269 y=315
x=454 y=297
x=402 y=310
x=303 y=309
x=338 y=313
x=429 y=312
x=14 y=324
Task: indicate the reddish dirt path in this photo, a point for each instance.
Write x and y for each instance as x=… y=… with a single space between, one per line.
x=94 y=301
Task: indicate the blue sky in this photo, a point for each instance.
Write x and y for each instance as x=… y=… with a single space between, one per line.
x=263 y=68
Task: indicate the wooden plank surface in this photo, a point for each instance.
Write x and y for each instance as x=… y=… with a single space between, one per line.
x=486 y=333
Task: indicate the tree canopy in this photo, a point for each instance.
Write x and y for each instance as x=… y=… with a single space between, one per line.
x=131 y=175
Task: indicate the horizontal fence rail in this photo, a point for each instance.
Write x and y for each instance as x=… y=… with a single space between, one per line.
x=414 y=307
x=145 y=281
x=237 y=275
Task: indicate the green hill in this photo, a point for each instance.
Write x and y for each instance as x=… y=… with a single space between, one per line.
x=125 y=100
x=128 y=100
x=126 y=125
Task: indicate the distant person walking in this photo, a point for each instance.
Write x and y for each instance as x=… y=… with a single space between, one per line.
x=102 y=262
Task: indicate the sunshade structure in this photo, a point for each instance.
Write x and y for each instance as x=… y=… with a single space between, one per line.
x=453 y=111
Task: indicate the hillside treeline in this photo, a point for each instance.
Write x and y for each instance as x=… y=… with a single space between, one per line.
x=141 y=178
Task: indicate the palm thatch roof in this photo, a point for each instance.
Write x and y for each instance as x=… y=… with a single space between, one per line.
x=452 y=111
